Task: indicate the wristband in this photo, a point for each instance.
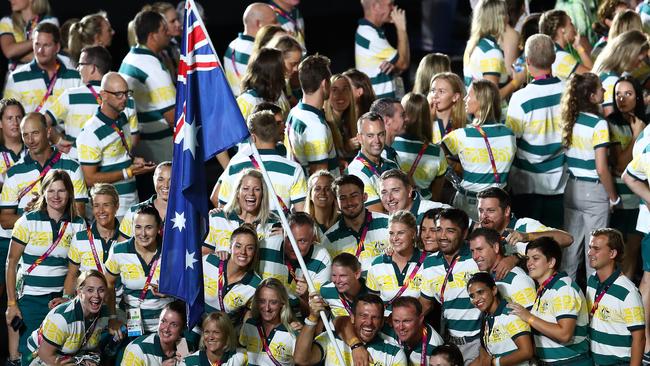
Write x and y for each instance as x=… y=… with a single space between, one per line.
x=11 y=303
x=129 y=172
x=125 y=174
x=67 y=296
x=356 y=345
x=614 y=203
x=310 y=322
x=580 y=49
x=531 y=320
x=354 y=341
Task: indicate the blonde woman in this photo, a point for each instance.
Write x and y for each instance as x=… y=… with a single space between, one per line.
x=424 y=162
x=483 y=57
x=341 y=115
x=558 y=25
x=91 y=30
x=446 y=105
x=430 y=65
x=321 y=202
x=485 y=149
x=623 y=54
x=218 y=345
x=607 y=10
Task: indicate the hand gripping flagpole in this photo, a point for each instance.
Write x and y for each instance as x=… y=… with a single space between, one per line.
x=294 y=246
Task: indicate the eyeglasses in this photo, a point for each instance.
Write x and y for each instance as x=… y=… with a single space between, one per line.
x=121 y=94
x=84 y=64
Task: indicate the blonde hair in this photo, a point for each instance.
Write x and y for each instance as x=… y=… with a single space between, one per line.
x=624 y=21
x=309 y=204
x=264 y=36
x=489 y=101
x=264 y=210
x=105 y=189
x=488 y=19
x=83 y=32
x=416 y=108
x=431 y=64
x=40 y=8
x=458 y=113
x=621 y=53
x=345 y=127
x=224 y=324
x=51 y=177
x=286 y=314
x=85 y=275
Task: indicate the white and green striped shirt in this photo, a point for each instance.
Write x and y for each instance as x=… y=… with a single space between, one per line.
x=292 y=22
x=222 y=226
x=432 y=164
x=237 y=296
x=229 y=358
x=414 y=355
x=500 y=331
x=590 y=132
x=235 y=61
x=565 y=63
x=517 y=287
x=371 y=177
x=534 y=117
x=371 y=49
x=486 y=59
x=622 y=134
x=608 y=80
x=419 y=207
x=280 y=341
x=382 y=352
x=249 y=99
x=144 y=350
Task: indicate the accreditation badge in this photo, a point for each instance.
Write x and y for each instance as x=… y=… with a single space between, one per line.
x=134 y=322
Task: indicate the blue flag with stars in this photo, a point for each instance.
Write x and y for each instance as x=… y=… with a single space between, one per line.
x=208 y=121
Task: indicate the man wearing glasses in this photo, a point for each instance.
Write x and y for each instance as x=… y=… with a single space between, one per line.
x=76 y=106
x=104 y=144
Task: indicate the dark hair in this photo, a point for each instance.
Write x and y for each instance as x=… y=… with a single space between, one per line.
x=549 y=247
x=406 y=301
x=529 y=27
x=515 y=9
x=431 y=214
x=300 y=218
x=491 y=236
x=361 y=80
x=100 y=57
x=263 y=126
x=268 y=106
x=149 y=210
x=312 y=71
x=368 y=299
x=51 y=29
x=451 y=351
x=397 y=174
x=498 y=193
x=616 y=116
x=384 y=107
x=614 y=241
x=265 y=74
x=147 y=22
x=347 y=179
x=457 y=216
x=482 y=277
x=179 y=308
x=347 y=260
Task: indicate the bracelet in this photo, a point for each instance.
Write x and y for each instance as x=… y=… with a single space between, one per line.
x=11 y=303
x=354 y=341
x=356 y=345
x=531 y=320
x=310 y=322
x=125 y=174
x=129 y=172
x=580 y=49
x=614 y=203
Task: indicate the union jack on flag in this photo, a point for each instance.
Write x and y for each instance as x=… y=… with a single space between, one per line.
x=208 y=121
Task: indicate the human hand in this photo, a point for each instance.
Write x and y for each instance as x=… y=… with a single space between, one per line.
x=398 y=18
x=386 y=67
x=64 y=145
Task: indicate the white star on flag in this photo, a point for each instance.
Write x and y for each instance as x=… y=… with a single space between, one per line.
x=179 y=221
x=190 y=260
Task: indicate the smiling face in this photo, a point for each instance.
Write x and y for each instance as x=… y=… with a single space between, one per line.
x=145 y=230
x=538 y=265
x=428 y=235
x=321 y=193
x=250 y=195
x=56 y=196
x=401 y=237
x=395 y=195
x=372 y=137
x=481 y=296
x=350 y=199
x=450 y=236
x=491 y=215
x=170 y=326
x=161 y=179
x=269 y=305
x=340 y=93
x=344 y=278
x=600 y=254
x=243 y=249
x=406 y=323
x=213 y=338
x=104 y=210
x=11 y=122
x=483 y=253
x=368 y=320
x=91 y=295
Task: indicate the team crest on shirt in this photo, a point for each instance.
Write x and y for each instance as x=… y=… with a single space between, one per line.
x=605 y=314
x=377 y=363
x=543 y=307
x=467 y=276
x=235 y=301
x=417 y=281
x=281 y=351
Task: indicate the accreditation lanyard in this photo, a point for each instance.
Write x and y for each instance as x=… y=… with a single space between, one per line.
x=221 y=291
x=5 y=156
x=601 y=294
x=91 y=240
x=291 y=269
x=258 y=167
x=49 y=250
x=31 y=26
x=346 y=304
x=423 y=354
x=47 y=168
x=417 y=160
x=444 y=283
x=542 y=77
x=94 y=93
x=265 y=345
x=487 y=331
x=480 y=130
x=234 y=64
x=145 y=288
x=122 y=138
x=408 y=280
x=541 y=290
x=288 y=17
x=366 y=227
x=367 y=164
x=50 y=88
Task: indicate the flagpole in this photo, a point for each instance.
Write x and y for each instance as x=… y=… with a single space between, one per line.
x=294 y=246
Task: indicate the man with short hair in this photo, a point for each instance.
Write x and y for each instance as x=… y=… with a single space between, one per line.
x=394 y=116
x=368 y=320
x=104 y=144
x=373 y=55
x=408 y=330
x=46 y=77
x=617 y=322
x=290 y=18
x=487 y=252
x=368 y=165
x=308 y=135
x=397 y=194
x=278 y=260
x=75 y=106
x=238 y=53
x=287 y=176
x=537 y=176
x=153 y=89
x=358 y=231
x=446 y=275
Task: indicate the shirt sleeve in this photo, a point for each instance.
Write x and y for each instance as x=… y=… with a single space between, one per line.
x=21 y=231
x=79 y=183
x=55 y=330
x=126 y=225
x=492 y=63
x=9 y=195
x=637 y=168
x=298 y=190
x=600 y=137
x=89 y=150
x=57 y=108
x=567 y=303
x=566 y=64
x=633 y=313
x=133 y=356
x=74 y=255
x=515 y=117
x=453 y=142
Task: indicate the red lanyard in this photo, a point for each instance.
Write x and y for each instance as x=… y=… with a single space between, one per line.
x=367 y=164
x=541 y=290
x=288 y=17
x=234 y=64
x=543 y=77
x=49 y=251
x=599 y=297
x=444 y=283
x=91 y=240
x=409 y=279
x=346 y=304
x=366 y=227
x=50 y=88
x=221 y=289
x=5 y=156
x=497 y=178
x=94 y=93
x=423 y=355
x=486 y=334
x=145 y=288
x=260 y=331
x=47 y=168
x=122 y=138
x=29 y=27
x=257 y=166
x=292 y=271
x=417 y=159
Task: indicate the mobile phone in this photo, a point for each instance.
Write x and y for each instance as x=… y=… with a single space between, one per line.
x=17 y=323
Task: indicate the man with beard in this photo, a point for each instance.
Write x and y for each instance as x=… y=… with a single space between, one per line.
x=368 y=319
x=487 y=252
x=397 y=194
x=358 y=231
x=494 y=213
x=368 y=165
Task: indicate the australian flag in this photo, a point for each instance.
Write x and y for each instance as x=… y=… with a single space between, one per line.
x=208 y=121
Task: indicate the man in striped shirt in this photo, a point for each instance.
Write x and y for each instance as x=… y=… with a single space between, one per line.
x=397 y=194
x=104 y=144
x=391 y=110
x=289 y=17
x=537 y=176
x=617 y=322
x=236 y=57
x=373 y=55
